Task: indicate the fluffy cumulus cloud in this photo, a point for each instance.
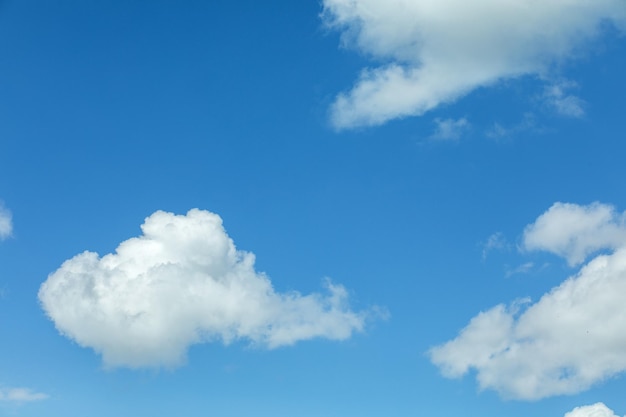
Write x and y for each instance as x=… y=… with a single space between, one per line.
x=574 y=232
x=572 y=337
x=433 y=52
x=595 y=410
x=6 y=223
x=21 y=395
x=183 y=282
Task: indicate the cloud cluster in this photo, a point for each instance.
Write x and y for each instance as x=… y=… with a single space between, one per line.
x=21 y=395
x=434 y=52
x=6 y=223
x=595 y=410
x=570 y=339
x=183 y=282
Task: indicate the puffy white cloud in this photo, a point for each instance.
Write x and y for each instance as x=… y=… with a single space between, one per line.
x=574 y=232
x=570 y=339
x=433 y=52
x=183 y=282
x=595 y=410
x=6 y=223
x=21 y=395
x=450 y=129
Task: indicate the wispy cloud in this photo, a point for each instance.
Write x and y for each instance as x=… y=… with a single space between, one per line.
x=180 y=283
x=569 y=340
x=496 y=241
x=21 y=395
x=435 y=52
x=557 y=97
x=450 y=129
x=500 y=131
x=521 y=269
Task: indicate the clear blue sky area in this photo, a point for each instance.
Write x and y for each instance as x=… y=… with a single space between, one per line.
x=399 y=169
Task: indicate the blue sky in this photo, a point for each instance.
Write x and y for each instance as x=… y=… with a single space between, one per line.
x=323 y=208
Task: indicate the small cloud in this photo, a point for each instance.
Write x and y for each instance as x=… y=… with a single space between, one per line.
x=183 y=282
x=522 y=269
x=21 y=395
x=557 y=98
x=6 y=223
x=574 y=231
x=496 y=241
x=499 y=131
x=450 y=129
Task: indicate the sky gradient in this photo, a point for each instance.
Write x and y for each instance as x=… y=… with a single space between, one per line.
x=322 y=208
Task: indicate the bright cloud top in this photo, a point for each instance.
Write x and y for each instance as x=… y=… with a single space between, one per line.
x=437 y=51
x=570 y=339
x=21 y=395
x=183 y=282
x=6 y=223
x=595 y=410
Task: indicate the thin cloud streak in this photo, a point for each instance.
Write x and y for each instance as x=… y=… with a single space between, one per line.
x=6 y=222
x=21 y=395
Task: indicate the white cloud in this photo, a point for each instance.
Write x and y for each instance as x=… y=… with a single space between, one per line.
x=595 y=410
x=21 y=395
x=569 y=340
x=556 y=97
x=574 y=232
x=434 y=52
x=6 y=223
x=450 y=129
x=183 y=282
